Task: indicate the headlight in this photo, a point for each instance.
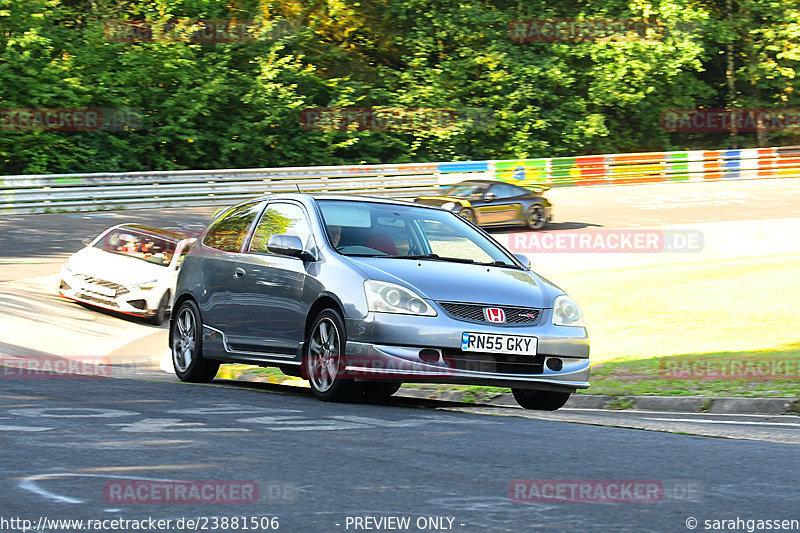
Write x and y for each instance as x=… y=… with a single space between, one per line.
x=448 y=205
x=146 y=286
x=566 y=312
x=385 y=297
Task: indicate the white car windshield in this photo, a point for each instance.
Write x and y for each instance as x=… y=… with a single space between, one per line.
x=368 y=229
x=138 y=245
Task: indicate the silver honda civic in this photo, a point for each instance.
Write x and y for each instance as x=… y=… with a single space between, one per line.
x=359 y=295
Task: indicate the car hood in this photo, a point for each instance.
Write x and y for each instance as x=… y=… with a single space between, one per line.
x=459 y=282
x=114 y=267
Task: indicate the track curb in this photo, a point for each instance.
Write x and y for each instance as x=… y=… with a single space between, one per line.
x=669 y=404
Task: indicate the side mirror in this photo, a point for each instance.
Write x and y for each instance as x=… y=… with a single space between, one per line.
x=489 y=196
x=291 y=245
x=524 y=259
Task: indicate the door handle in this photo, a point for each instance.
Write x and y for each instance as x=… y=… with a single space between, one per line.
x=239 y=273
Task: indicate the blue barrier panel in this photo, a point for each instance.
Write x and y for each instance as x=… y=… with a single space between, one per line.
x=464 y=166
x=731 y=163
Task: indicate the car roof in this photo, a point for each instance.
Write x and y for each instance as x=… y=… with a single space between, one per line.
x=305 y=197
x=481 y=182
x=157 y=232
x=486 y=182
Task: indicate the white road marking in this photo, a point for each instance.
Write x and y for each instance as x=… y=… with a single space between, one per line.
x=233 y=409
x=50 y=412
x=407 y=423
x=731 y=422
x=339 y=422
x=170 y=425
x=288 y=423
x=29 y=484
x=23 y=428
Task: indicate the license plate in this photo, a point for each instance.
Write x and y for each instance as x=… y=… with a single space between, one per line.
x=484 y=342
x=99 y=289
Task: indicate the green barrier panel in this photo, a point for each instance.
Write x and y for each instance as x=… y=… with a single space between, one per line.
x=678 y=166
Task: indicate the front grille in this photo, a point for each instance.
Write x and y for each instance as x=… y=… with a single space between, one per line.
x=494 y=363
x=474 y=313
x=92 y=298
x=119 y=290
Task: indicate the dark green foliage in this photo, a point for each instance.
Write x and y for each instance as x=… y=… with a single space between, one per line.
x=238 y=104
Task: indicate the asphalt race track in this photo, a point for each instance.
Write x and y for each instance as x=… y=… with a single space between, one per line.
x=317 y=464
x=70 y=442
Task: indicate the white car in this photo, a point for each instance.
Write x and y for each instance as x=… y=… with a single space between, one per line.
x=128 y=268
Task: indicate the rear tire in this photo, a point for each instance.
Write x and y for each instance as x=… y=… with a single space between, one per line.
x=540 y=400
x=187 y=346
x=537 y=218
x=324 y=359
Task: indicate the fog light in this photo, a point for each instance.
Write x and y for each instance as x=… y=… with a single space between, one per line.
x=429 y=355
x=555 y=364
x=138 y=304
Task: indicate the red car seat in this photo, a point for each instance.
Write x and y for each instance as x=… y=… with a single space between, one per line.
x=382 y=243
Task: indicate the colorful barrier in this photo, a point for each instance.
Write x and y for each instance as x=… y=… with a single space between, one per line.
x=652 y=167
x=101 y=191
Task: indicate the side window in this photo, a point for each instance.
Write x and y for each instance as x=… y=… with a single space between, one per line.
x=229 y=232
x=279 y=218
x=504 y=190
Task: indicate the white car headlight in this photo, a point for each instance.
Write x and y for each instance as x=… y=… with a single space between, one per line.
x=448 y=205
x=385 y=297
x=147 y=285
x=566 y=312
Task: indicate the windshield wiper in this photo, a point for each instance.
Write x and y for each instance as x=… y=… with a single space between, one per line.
x=433 y=257
x=499 y=264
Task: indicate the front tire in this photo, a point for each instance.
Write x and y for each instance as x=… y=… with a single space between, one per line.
x=325 y=359
x=161 y=312
x=540 y=400
x=187 y=346
x=468 y=214
x=537 y=218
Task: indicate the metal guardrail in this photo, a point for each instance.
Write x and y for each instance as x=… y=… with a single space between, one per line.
x=125 y=190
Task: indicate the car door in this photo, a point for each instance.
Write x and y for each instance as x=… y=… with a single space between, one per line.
x=266 y=308
x=501 y=205
x=217 y=253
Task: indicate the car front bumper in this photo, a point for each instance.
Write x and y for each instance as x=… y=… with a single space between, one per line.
x=111 y=296
x=398 y=347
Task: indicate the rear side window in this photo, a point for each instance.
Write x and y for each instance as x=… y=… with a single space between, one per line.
x=280 y=218
x=229 y=232
x=504 y=190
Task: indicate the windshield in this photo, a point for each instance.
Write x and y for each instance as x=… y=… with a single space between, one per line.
x=368 y=229
x=138 y=245
x=466 y=190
